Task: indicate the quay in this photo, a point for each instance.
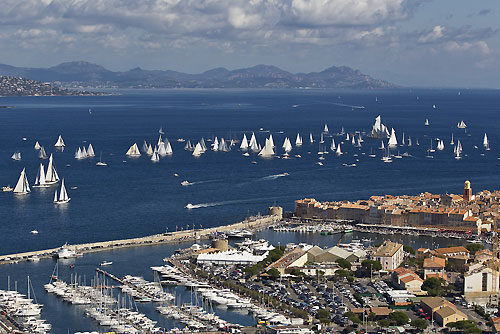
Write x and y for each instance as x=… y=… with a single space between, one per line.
x=251 y=223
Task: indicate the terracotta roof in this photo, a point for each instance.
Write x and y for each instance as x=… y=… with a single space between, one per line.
x=381 y=311
x=434 y=262
x=455 y=249
x=410 y=278
x=437 y=276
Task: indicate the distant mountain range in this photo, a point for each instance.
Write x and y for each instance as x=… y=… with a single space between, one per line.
x=80 y=73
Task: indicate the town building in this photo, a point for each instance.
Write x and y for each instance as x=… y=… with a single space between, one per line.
x=434 y=267
x=441 y=310
x=479 y=281
x=389 y=254
x=406 y=279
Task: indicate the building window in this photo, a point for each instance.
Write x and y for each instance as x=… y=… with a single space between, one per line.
x=485 y=282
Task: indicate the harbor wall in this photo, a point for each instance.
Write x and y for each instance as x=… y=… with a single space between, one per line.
x=253 y=223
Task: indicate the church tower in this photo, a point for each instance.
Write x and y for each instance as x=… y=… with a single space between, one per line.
x=467 y=196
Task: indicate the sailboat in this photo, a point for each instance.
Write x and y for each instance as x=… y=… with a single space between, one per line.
x=168 y=148
x=267 y=150
x=311 y=140
x=162 y=151
x=440 y=145
x=150 y=150
x=90 y=151
x=452 y=142
x=155 y=157
x=40 y=178
x=161 y=131
x=133 y=151
x=426 y=122
x=338 y=151
x=144 y=147
x=41 y=153
x=16 y=156
x=403 y=140
x=321 y=141
x=486 y=143
x=223 y=146
x=431 y=150
x=244 y=143
x=461 y=125
x=382 y=146
x=271 y=141
x=202 y=143
x=332 y=146
x=63 y=195
x=325 y=130
x=197 y=150
x=393 y=142
x=22 y=186
x=51 y=176
x=298 y=140
x=458 y=150
x=100 y=162
x=37 y=145
x=60 y=142
x=215 y=145
x=78 y=154
x=409 y=141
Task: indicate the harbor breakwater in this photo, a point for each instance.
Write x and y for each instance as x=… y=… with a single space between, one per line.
x=252 y=223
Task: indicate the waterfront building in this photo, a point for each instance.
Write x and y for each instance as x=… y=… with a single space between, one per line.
x=334 y=253
x=231 y=257
x=389 y=254
x=467 y=195
x=441 y=310
x=294 y=258
x=480 y=282
x=434 y=267
x=408 y=280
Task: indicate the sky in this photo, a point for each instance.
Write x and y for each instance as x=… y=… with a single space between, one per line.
x=436 y=43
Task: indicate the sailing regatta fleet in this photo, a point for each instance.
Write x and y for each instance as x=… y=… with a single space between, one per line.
x=163 y=148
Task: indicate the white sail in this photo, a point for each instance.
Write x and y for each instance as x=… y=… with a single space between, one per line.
x=188 y=146
x=203 y=145
x=298 y=140
x=150 y=150
x=60 y=142
x=461 y=125
x=37 y=145
x=155 y=157
x=486 y=144
x=159 y=141
x=244 y=143
x=452 y=142
x=162 y=151
x=339 y=151
x=42 y=154
x=51 y=176
x=215 y=144
x=403 y=140
x=347 y=138
x=78 y=154
x=271 y=141
x=426 y=122
x=40 y=177
x=379 y=130
x=168 y=149
x=288 y=145
x=22 y=186
x=409 y=141
x=144 y=147
x=332 y=146
x=223 y=146
x=84 y=153
x=382 y=146
x=267 y=150
x=393 y=141
x=133 y=151
x=353 y=141
x=197 y=150
x=90 y=151
x=253 y=143
x=325 y=129
x=16 y=156
x=321 y=140
x=311 y=140
x=63 y=195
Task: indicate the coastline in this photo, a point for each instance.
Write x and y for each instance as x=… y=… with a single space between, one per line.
x=252 y=223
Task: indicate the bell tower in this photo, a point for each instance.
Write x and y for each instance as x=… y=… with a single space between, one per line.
x=467 y=195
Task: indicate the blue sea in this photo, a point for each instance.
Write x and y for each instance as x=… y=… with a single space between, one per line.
x=136 y=197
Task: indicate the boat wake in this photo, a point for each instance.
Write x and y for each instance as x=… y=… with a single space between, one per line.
x=274 y=177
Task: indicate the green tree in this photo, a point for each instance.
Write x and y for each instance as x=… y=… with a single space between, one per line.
x=323 y=314
x=409 y=249
x=473 y=248
x=273 y=272
x=353 y=317
x=433 y=286
x=384 y=323
x=399 y=317
x=371 y=264
x=343 y=263
x=419 y=324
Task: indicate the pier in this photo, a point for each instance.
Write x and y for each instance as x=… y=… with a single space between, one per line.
x=252 y=223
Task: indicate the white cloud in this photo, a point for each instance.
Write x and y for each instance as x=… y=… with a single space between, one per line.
x=436 y=34
x=480 y=47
